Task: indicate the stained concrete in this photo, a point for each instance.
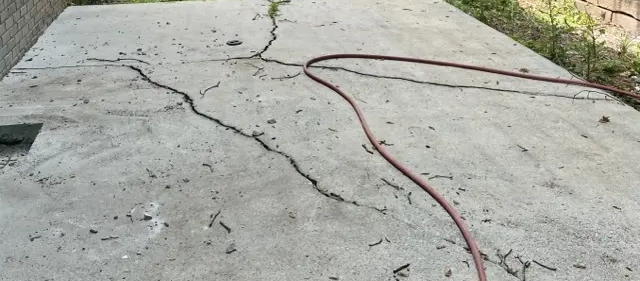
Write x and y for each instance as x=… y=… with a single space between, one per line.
x=156 y=132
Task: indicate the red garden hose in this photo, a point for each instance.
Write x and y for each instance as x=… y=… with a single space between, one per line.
x=477 y=258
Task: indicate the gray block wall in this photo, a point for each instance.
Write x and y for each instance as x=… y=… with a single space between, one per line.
x=21 y=23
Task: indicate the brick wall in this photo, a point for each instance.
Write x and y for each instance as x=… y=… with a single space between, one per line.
x=21 y=23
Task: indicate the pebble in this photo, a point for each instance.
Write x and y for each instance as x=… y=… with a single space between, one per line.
x=93 y=231
x=147 y=217
x=231 y=249
x=271 y=121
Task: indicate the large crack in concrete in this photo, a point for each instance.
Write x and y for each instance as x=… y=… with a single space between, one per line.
x=294 y=164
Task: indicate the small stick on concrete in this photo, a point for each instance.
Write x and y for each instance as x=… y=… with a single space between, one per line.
x=366 y=149
x=409 y=197
x=401 y=268
x=376 y=244
x=286 y=77
x=397 y=187
x=214 y=218
x=225 y=227
x=207 y=89
x=441 y=176
x=544 y=266
x=521 y=147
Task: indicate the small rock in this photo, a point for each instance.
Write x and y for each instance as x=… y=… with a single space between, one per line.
x=93 y=231
x=115 y=217
x=139 y=50
x=440 y=247
x=234 y=42
x=604 y=119
x=256 y=134
x=167 y=186
x=231 y=248
x=271 y=121
x=580 y=266
x=448 y=273
x=147 y=217
x=139 y=253
x=125 y=257
x=185 y=180
x=85 y=101
x=166 y=224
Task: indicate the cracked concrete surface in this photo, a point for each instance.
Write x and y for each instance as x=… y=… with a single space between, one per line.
x=144 y=113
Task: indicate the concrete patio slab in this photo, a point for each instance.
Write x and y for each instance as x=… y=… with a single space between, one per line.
x=166 y=154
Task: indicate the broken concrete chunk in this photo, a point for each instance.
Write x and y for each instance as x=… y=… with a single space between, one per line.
x=147 y=217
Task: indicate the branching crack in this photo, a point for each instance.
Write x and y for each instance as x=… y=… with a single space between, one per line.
x=189 y=100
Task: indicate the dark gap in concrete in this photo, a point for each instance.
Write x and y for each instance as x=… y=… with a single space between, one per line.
x=16 y=140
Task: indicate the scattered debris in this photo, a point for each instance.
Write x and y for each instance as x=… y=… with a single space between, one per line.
x=397 y=187
x=523 y=70
x=234 y=42
x=616 y=207
x=256 y=134
x=147 y=217
x=604 y=119
x=449 y=240
x=93 y=231
x=110 y=237
x=376 y=244
x=402 y=271
x=440 y=247
x=332 y=129
x=448 y=273
x=441 y=176
x=584 y=136
x=384 y=142
x=333 y=278
x=228 y=229
x=208 y=165
x=231 y=248
x=167 y=186
x=432 y=128
x=367 y=149
x=31 y=238
x=580 y=266
x=214 y=218
x=185 y=180
x=286 y=77
x=207 y=89
x=521 y=147
x=272 y=121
